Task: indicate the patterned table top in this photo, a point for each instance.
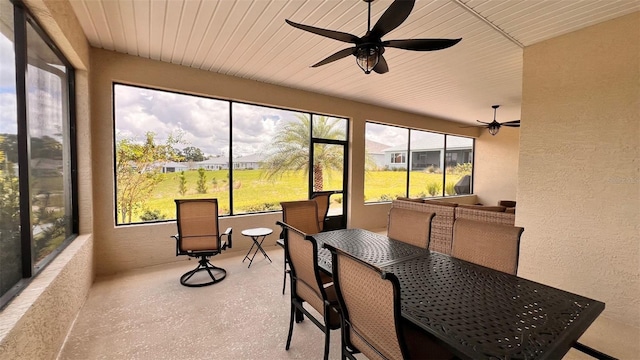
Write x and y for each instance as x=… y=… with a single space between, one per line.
x=477 y=312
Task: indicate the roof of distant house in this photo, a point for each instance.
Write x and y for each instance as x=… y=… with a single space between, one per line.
x=253 y=158
x=433 y=141
x=374 y=147
x=214 y=161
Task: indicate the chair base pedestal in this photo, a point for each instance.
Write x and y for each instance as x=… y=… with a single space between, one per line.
x=217 y=274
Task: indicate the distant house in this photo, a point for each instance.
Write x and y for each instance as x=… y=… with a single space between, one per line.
x=429 y=152
x=216 y=163
x=375 y=151
x=248 y=162
x=171 y=166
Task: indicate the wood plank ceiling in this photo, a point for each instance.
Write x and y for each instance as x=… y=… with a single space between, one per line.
x=250 y=39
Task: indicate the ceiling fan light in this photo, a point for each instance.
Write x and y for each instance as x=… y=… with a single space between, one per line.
x=367 y=58
x=493 y=130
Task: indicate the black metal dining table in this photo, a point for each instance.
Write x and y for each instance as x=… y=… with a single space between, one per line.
x=476 y=312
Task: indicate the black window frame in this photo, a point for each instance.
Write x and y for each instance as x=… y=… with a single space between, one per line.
x=408 y=160
x=21 y=17
x=312 y=140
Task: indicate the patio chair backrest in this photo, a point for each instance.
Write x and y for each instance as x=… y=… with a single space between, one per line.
x=302 y=253
x=370 y=303
x=491 y=245
x=322 y=199
x=302 y=215
x=197 y=221
x=410 y=226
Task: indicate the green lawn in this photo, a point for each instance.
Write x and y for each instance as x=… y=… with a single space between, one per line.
x=253 y=192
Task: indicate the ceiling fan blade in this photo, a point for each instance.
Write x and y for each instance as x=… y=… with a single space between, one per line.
x=395 y=15
x=511 y=122
x=337 y=56
x=336 y=35
x=382 y=66
x=511 y=125
x=482 y=122
x=421 y=44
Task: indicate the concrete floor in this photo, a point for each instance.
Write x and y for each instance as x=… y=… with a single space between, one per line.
x=147 y=314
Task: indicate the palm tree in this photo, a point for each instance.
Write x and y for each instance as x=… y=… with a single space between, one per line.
x=291 y=149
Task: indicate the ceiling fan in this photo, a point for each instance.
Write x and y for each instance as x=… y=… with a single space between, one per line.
x=494 y=126
x=369 y=48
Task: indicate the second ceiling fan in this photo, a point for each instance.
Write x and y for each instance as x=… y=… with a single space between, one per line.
x=369 y=48
x=494 y=126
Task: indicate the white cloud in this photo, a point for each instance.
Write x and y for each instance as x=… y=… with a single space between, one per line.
x=7 y=64
x=8 y=113
x=203 y=122
x=384 y=134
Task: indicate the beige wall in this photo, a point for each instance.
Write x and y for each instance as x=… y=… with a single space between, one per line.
x=126 y=247
x=35 y=324
x=579 y=170
x=496 y=166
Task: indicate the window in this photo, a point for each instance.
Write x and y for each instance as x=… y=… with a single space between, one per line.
x=384 y=179
x=264 y=145
x=250 y=157
x=398 y=158
x=438 y=164
x=37 y=189
x=427 y=163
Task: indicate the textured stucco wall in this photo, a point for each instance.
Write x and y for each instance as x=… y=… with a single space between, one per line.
x=35 y=323
x=496 y=166
x=579 y=168
x=126 y=247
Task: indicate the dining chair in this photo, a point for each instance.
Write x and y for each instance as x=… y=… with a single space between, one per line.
x=372 y=323
x=322 y=199
x=199 y=236
x=410 y=226
x=302 y=215
x=492 y=245
x=308 y=286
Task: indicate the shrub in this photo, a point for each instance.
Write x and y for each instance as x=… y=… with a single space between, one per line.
x=150 y=215
x=182 y=180
x=386 y=197
x=463 y=169
x=202 y=181
x=450 y=188
x=262 y=207
x=434 y=188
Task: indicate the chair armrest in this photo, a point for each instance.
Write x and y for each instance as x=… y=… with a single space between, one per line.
x=176 y=237
x=227 y=233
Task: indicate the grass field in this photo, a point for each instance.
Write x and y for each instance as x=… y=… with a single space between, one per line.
x=253 y=192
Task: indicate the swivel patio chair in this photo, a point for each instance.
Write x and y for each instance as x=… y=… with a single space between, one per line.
x=308 y=286
x=410 y=226
x=199 y=237
x=302 y=215
x=492 y=245
x=372 y=323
